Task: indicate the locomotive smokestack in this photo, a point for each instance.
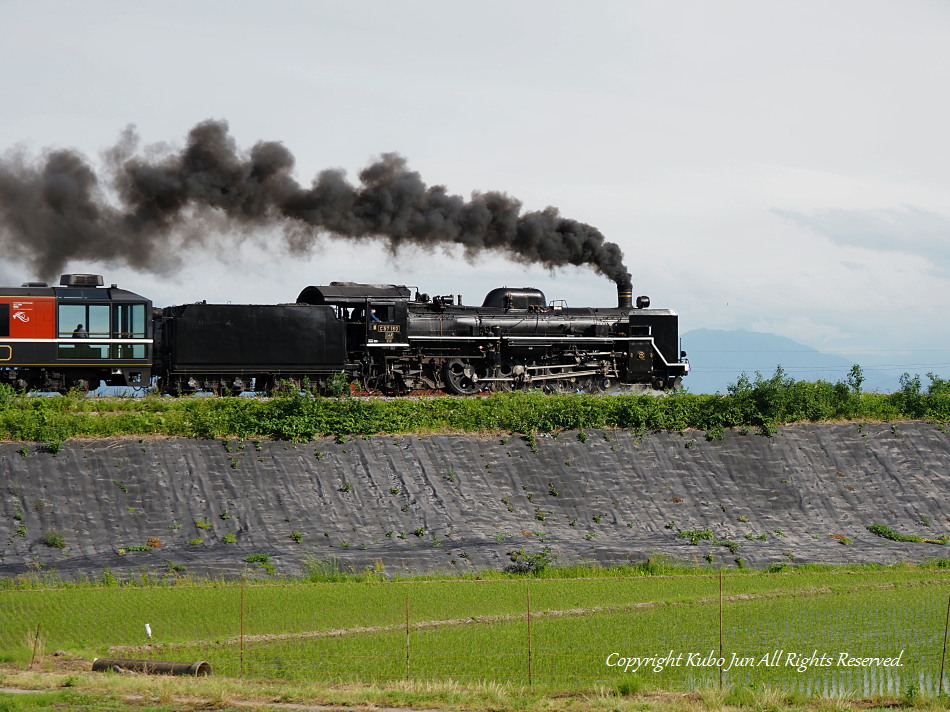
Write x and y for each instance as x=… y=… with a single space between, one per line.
x=624 y=295
x=149 y=204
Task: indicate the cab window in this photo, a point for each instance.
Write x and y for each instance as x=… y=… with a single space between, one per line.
x=384 y=312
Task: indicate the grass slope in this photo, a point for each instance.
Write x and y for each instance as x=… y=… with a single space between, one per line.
x=762 y=403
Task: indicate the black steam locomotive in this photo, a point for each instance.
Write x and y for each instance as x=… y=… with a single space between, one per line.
x=381 y=337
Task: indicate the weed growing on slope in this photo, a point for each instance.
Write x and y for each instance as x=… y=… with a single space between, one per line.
x=54 y=538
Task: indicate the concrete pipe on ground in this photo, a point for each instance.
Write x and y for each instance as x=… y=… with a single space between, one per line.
x=151 y=667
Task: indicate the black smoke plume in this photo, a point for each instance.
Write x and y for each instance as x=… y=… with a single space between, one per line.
x=150 y=206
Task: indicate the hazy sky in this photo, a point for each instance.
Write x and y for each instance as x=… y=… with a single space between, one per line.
x=774 y=166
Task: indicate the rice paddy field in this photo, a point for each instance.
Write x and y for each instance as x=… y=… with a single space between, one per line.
x=826 y=633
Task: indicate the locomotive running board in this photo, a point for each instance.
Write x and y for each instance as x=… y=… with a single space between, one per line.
x=552 y=376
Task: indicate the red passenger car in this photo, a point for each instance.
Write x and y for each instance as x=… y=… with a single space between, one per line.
x=74 y=335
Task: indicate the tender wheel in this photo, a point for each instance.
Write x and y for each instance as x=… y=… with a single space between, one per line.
x=238 y=386
x=460 y=378
x=80 y=384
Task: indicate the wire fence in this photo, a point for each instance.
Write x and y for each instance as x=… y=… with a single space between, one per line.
x=830 y=635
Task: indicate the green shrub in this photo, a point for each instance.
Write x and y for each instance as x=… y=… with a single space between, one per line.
x=886 y=532
x=629 y=685
x=696 y=535
x=263 y=562
x=338 y=384
x=54 y=538
x=756 y=402
x=740 y=697
x=332 y=571
x=530 y=562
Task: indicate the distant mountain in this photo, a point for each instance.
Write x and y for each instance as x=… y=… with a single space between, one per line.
x=717 y=358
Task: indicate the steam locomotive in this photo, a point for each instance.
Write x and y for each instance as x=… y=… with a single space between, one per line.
x=381 y=337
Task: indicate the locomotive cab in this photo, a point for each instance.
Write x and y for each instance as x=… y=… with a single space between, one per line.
x=375 y=314
x=376 y=317
x=385 y=323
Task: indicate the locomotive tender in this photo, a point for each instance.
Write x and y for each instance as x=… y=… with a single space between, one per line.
x=383 y=337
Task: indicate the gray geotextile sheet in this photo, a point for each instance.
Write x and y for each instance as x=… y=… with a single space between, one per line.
x=401 y=504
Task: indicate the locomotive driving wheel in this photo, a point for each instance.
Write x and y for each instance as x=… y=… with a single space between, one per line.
x=607 y=384
x=461 y=378
x=507 y=376
x=565 y=385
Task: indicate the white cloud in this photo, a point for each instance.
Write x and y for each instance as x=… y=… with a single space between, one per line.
x=909 y=229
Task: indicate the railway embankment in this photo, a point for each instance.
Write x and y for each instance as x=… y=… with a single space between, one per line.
x=412 y=503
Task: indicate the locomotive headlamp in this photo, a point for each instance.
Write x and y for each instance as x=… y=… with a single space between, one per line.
x=643 y=302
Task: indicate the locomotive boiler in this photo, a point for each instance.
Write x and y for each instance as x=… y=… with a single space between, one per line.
x=388 y=338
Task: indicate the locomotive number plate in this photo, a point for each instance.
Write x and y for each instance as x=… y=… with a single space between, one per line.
x=386 y=327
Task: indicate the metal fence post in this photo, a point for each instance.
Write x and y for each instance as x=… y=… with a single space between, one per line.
x=243 y=581
x=943 y=656
x=530 y=661
x=36 y=642
x=407 y=636
x=720 y=626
